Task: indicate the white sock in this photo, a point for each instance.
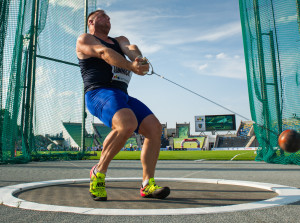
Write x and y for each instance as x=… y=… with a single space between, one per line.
x=96 y=171
x=145 y=182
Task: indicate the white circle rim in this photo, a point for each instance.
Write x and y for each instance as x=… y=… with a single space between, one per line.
x=286 y=195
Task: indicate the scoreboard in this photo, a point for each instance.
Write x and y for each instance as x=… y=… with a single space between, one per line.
x=215 y=123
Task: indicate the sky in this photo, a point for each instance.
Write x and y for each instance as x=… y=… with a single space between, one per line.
x=195 y=43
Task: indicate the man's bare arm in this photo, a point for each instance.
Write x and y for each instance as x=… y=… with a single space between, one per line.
x=130 y=50
x=87 y=46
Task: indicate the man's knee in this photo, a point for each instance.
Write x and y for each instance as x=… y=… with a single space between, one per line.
x=125 y=122
x=151 y=128
x=127 y=130
x=157 y=128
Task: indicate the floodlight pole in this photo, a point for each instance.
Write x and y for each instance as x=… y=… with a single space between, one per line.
x=83 y=98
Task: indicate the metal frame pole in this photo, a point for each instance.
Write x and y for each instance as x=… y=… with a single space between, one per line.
x=261 y=61
x=33 y=71
x=84 y=115
x=298 y=13
x=277 y=102
x=31 y=77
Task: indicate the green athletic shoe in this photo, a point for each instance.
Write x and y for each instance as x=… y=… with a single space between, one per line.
x=97 y=186
x=151 y=190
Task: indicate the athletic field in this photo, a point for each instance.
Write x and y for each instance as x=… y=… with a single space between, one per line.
x=188 y=155
x=170 y=155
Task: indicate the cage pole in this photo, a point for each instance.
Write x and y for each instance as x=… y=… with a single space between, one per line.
x=33 y=72
x=31 y=77
x=262 y=72
x=84 y=115
x=298 y=13
x=277 y=100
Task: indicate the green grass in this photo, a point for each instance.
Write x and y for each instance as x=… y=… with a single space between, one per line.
x=185 y=155
x=164 y=155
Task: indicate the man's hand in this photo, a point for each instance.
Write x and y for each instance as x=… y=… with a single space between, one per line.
x=140 y=66
x=142 y=60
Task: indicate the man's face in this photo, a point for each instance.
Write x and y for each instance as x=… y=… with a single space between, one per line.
x=101 y=21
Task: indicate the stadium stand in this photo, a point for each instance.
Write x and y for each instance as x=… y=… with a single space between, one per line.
x=41 y=142
x=253 y=142
x=233 y=141
x=101 y=131
x=131 y=141
x=74 y=131
x=293 y=123
x=245 y=137
x=164 y=142
x=245 y=128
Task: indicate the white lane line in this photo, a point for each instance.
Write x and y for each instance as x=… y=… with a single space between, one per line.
x=286 y=195
x=209 y=167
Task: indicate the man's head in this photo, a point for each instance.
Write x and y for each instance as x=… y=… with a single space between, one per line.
x=98 y=21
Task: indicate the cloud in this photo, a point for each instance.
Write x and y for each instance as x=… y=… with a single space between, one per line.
x=202 y=67
x=69 y=30
x=150 y=49
x=152 y=33
x=287 y=19
x=223 y=31
x=66 y=94
x=137 y=27
x=208 y=56
x=43 y=75
x=196 y=66
x=144 y=30
x=106 y=3
x=191 y=35
x=49 y=93
x=224 y=66
x=74 y=5
x=221 y=56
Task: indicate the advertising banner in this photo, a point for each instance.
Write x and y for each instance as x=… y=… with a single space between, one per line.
x=184 y=143
x=199 y=123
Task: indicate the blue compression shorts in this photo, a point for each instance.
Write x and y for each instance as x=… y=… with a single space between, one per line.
x=105 y=102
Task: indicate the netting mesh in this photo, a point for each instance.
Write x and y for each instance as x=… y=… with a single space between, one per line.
x=271 y=37
x=41 y=86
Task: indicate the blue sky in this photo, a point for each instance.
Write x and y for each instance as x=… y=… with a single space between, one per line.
x=197 y=44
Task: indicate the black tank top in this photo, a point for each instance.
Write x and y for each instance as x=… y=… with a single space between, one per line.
x=96 y=73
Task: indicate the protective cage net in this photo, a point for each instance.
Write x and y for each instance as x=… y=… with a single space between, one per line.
x=41 y=86
x=40 y=81
x=271 y=35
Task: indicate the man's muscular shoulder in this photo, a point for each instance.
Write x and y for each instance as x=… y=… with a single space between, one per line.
x=88 y=46
x=85 y=38
x=122 y=40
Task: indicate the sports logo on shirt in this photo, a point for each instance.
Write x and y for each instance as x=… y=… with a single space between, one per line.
x=120 y=74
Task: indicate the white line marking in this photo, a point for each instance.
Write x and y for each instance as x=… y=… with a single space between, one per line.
x=237 y=155
x=286 y=195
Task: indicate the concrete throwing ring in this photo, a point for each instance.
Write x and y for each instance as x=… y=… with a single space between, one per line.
x=286 y=195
